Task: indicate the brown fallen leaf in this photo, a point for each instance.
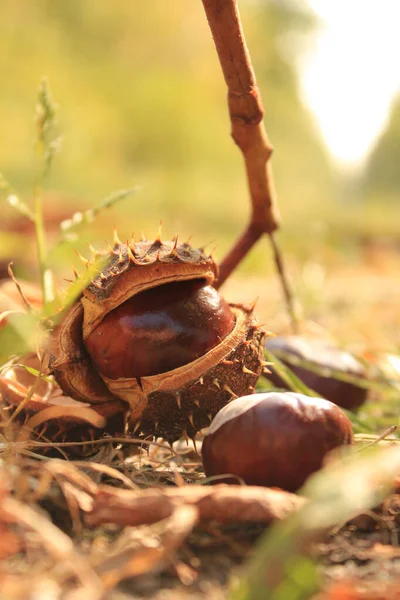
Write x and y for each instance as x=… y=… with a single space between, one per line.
x=9 y=543
x=357 y=590
x=222 y=503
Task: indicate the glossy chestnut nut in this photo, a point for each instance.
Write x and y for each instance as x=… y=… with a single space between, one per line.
x=160 y=329
x=276 y=439
x=327 y=359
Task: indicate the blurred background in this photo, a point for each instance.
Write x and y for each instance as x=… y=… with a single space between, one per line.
x=142 y=102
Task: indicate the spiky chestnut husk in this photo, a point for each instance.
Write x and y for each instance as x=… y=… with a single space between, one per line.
x=171 y=403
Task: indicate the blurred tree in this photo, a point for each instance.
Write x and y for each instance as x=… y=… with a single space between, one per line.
x=143 y=101
x=382 y=174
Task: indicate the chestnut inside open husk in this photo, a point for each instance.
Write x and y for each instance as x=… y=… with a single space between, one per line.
x=159 y=330
x=301 y=354
x=275 y=439
x=151 y=330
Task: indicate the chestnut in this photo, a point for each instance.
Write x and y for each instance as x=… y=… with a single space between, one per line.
x=274 y=439
x=326 y=357
x=160 y=329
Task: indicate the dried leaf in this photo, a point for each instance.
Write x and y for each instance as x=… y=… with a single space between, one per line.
x=223 y=503
x=53 y=539
x=57 y=412
x=72 y=474
x=107 y=470
x=357 y=590
x=9 y=543
x=76 y=499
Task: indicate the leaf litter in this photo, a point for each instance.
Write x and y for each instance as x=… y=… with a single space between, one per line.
x=120 y=526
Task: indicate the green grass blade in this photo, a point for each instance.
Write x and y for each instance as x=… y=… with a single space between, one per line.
x=362 y=382
x=359 y=423
x=292 y=381
x=69 y=226
x=46 y=146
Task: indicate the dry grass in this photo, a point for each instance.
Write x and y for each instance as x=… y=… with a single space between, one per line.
x=48 y=550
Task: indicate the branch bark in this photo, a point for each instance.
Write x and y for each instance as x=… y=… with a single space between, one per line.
x=246 y=113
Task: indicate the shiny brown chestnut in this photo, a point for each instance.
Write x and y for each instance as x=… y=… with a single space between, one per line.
x=275 y=439
x=303 y=355
x=160 y=329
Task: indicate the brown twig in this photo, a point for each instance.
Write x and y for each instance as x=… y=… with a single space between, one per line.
x=24 y=299
x=248 y=131
x=223 y=503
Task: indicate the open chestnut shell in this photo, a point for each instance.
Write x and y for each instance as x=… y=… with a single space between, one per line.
x=298 y=352
x=152 y=331
x=275 y=439
x=160 y=329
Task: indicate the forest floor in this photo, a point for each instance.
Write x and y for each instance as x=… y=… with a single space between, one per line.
x=356 y=306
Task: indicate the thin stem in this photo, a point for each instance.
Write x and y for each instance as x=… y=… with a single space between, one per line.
x=41 y=246
x=285 y=284
x=39 y=227
x=46 y=147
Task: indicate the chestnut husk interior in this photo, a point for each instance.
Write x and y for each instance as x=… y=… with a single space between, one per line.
x=343 y=393
x=70 y=363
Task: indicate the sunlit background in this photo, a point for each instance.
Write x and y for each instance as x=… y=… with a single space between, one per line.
x=142 y=102
x=350 y=76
